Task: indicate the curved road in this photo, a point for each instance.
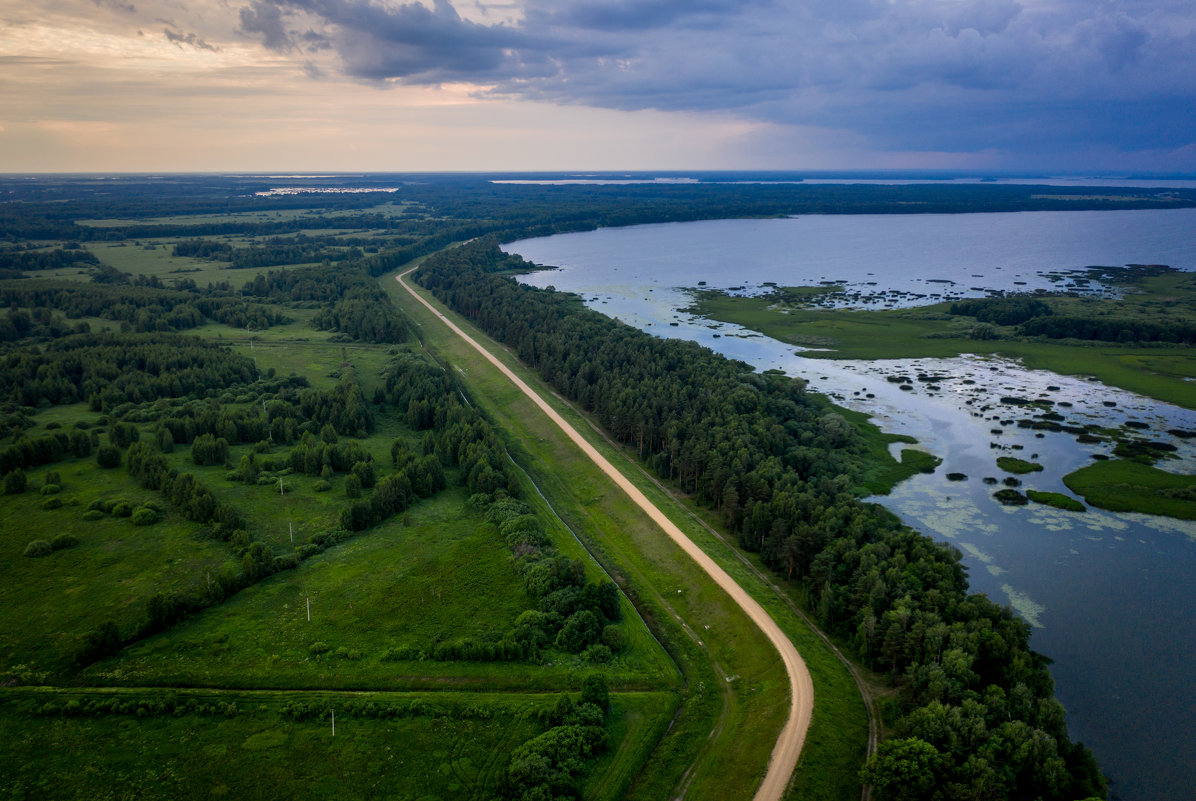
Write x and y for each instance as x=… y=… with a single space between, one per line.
x=801 y=695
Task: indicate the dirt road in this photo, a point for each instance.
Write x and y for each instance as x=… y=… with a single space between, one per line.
x=801 y=695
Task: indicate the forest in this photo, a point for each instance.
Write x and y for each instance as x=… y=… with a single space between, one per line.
x=215 y=423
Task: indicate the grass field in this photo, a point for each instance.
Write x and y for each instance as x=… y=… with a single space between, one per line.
x=52 y=601
x=1123 y=485
x=260 y=752
x=362 y=594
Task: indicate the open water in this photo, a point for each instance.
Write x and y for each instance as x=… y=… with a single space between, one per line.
x=1110 y=596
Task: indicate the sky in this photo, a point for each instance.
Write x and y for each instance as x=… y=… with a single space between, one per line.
x=370 y=85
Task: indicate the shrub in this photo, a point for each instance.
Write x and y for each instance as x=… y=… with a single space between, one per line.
x=307 y=550
x=144 y=516
x=598 y=653
x=50 y=489
x=208 y=449
x=53 y=502
x=14 y=482
x=318 y=648
x=93 y=514
x=108 y=456
x=579 y=631
x=612 y=637
x=38 y=548
x=321 y=486
x=288 y=561
x=122 y=509
x=594 y=690
x=52 y=477
x=64 y=540
x=403 y=653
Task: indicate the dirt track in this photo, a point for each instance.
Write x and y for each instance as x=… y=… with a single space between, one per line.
x=801 y=696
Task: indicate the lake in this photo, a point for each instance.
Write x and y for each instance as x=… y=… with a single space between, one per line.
x=1109 y=595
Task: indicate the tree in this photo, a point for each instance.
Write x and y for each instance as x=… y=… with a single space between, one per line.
x=108 y=456
x=581 y=629
x=595 y=691
x=903 y=770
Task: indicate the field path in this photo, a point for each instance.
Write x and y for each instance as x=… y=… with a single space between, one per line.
x=801 y=695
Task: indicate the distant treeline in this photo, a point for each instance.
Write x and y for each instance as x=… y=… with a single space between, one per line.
x=34 y=260
x=108 y=370
x=977 y=712
x=1036 y=317
x=354 y=304
x=140 y=308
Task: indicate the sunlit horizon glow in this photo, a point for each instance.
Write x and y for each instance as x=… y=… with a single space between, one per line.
x=362 y=85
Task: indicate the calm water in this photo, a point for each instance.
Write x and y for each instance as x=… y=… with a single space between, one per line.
x=1109 y=595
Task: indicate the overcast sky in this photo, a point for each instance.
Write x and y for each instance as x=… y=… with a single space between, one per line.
x=1056 y=85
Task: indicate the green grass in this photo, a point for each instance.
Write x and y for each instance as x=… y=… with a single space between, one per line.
x=261 y=753
x=885 y=472
x=745 y=713
x=1057 y=500
x=1011 y=464
x=364 y=595
x=1123 y=485
x=51 y=602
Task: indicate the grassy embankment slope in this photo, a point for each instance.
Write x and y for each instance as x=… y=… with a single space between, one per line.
x=749 y=703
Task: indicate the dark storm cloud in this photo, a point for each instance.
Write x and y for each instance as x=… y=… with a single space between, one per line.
x=411 y=42
x=924 y=74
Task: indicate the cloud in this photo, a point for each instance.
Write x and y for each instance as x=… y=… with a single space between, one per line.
x=189 y=39
x=939 y=76
x=265 y=17
x=117 y=5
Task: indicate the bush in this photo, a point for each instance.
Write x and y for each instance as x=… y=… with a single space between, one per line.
x=93 y=514
x=321 y=486
x=14 y=482
x=318 y=648
x=594 y=690
x=308 y=550
x=599 y=654
x=403 y=653
x=38 y=548
x=51 y=489
x=144 y=516
x=612 y=637
x=108 y=456
x=64 y=540
x=53 y=502
x=122 y=509
x=579 y=631
x=288 y=561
